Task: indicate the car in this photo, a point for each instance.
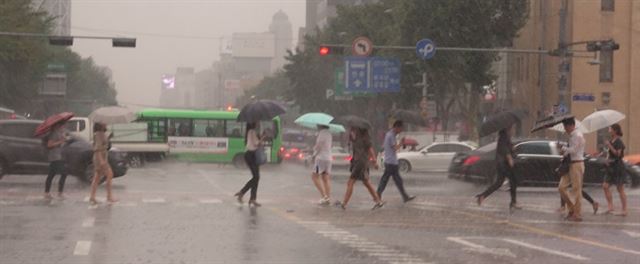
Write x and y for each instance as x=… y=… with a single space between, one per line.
x=633 y=159
x=433 y=158
x=534 y=165
x=22 y=153
x=294 y=146
x=340 y=158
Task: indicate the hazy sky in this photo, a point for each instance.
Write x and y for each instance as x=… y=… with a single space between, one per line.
x=158 y=25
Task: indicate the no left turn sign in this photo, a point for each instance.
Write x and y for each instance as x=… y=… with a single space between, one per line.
x=362 y=46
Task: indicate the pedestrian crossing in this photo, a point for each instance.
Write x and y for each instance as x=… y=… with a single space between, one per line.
x=360 y=244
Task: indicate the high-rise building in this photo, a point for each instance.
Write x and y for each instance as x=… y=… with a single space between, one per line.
x=281 y=28
x=60 y=11
x=607 y=81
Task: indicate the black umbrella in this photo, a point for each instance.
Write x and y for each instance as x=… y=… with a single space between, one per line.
x=500 y=121
x=261 y=110
x=352 y=121
x=549 y=122
x=409 y=117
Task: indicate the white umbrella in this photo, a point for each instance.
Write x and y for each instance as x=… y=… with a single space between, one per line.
x=113 y=115
x=560 y=127
x=601 y=119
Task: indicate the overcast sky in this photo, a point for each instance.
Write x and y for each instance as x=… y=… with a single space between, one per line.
x=158 y=25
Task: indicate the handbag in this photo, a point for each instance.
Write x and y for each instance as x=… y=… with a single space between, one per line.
x=565 y=164
x=261 y=157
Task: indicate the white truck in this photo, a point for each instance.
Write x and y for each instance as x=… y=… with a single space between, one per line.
x=132 y=138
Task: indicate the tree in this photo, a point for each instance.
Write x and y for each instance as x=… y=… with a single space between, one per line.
x=23 y=61
x=453 y=23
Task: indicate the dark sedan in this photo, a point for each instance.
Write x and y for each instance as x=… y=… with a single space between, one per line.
x=535 y=163
x=21 y=153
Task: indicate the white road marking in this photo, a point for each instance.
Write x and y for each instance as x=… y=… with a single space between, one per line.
x=546 y=250
x=581 y=223
x=154 y=200
x=34 y=198
x=89 y=222
x=482 y=249
x=631 y=233
x=125 y=204
x=210 y=201
x=7 y=202
x=82 y=248
x=93 y=207
x=185 y=204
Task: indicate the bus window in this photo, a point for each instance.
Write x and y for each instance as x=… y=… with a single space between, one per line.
x=208 y=128
x=76 y=125
x=268 y=129
x=235 y=129
x=156 y=129
x=179 y=128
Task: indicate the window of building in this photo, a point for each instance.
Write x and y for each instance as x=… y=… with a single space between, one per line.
x=606 y=98
x=606 y=65
x=608 y=5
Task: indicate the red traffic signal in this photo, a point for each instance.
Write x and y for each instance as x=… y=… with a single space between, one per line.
x=324 y=50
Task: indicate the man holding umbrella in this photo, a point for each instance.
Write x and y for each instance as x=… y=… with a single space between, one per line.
x=576 y=171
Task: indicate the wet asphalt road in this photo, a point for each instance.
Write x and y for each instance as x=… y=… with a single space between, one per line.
x=185 y=213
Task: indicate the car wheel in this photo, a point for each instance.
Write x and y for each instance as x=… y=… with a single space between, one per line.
x=89 y=173
x=404 y=166
x=238 y=161
x=136 y=160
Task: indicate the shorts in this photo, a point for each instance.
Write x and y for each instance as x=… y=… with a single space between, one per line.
x=360 y=171
x=322 y=167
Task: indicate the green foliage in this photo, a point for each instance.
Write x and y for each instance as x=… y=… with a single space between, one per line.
x=23 y=65
x=452 y=23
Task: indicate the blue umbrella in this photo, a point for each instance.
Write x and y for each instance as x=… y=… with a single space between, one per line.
x=312 y=120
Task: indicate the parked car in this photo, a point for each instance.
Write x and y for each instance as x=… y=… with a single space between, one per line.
x=633 y=159
x=434 y=158
x=22 y=153
x=535 y=164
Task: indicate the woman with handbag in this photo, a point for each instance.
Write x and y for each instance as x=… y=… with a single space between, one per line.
x=251 y=157
x=615 y=169
x=363 y=154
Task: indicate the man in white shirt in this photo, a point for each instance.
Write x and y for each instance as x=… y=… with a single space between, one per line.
x=322 y=164
x=576 y=171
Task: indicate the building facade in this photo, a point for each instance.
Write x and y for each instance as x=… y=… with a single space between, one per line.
x=607 y=79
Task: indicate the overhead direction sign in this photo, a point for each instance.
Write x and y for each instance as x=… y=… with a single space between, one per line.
x=362 y=46
x=426 y=49
x=372 y=75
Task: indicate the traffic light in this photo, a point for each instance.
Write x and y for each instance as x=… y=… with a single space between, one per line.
x=124 y=42
x=330 y=50
x=60 y=40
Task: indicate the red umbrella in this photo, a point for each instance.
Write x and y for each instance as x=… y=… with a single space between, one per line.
x=46 y=126
x=410 y=142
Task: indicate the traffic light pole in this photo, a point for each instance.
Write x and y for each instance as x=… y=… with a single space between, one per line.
x=68 y=40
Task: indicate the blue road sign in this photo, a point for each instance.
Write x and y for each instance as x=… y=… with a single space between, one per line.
x=585 y=97
x=426 y=49
x=372 y=75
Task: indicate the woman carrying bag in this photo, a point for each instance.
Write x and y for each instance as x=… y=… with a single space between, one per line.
x=253 y=156
x=615 y=169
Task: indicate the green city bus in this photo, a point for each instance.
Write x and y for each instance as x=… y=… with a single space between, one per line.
x=207 y=136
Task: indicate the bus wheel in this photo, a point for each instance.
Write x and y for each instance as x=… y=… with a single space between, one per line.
x=238 y=161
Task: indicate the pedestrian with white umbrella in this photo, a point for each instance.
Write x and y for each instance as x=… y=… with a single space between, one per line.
x=321 y=172
x=110 y=115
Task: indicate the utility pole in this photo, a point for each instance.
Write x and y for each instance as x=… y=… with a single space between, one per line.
x=565 y=60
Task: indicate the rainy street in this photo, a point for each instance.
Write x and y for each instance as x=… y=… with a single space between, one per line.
x=185 y=213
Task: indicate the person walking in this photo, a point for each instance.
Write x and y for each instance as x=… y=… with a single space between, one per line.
x=363 y=154
x=322 y=164
x=391 y=168
x=504 y=166
x=252 y=143
x=101 y=162
x=53 y=144
x=575 y=150
x=615 y=169
x=595 y=205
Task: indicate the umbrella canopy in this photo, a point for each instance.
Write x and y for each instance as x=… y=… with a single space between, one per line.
x=261 y=110
x=112 y=115
x=601 y=119
x=409 y=117
x=353 y=121
x=51 y=121
x=311 y=120
x=550 y=122
x=500 y=121
x=560 y=127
